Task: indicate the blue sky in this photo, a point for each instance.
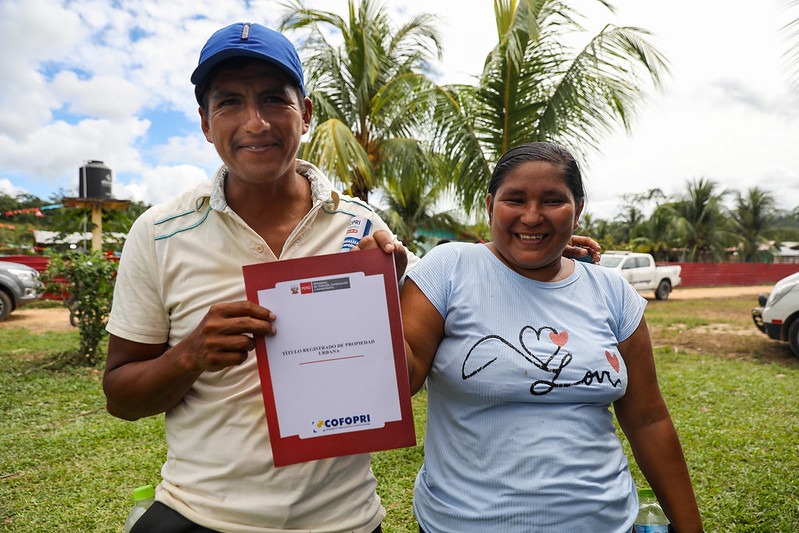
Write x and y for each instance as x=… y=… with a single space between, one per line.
x=99 y=80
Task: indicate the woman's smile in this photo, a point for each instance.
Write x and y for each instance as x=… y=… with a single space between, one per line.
x=528 y=237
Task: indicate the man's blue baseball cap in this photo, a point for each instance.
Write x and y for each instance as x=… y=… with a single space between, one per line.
x=245 y=39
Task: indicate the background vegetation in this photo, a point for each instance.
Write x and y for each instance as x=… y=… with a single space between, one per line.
x=66 y=465
x=385 y=131
x=21 y=215
x=704 y=223
x=86 y=281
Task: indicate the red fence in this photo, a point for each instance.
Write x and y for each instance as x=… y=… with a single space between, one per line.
x=39 y=262
x=731 y=274
x=693 y=274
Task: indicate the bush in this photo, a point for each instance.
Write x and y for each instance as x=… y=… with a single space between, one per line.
x=87 y=282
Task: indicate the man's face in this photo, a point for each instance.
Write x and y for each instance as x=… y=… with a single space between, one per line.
x=255 y=118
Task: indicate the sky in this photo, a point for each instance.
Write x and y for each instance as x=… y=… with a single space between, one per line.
x=108 y=80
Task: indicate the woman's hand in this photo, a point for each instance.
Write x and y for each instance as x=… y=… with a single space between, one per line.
x=581 y=246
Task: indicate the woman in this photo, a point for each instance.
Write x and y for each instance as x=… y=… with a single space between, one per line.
x=524 y=351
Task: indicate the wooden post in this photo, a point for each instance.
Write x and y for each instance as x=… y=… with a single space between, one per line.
x=96 y=205
x=97 y=231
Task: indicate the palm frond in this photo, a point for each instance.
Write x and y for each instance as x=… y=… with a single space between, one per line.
x=790 y=31
x=334 y=149
x=373 y=83
x=461 y=159
x=602 y=87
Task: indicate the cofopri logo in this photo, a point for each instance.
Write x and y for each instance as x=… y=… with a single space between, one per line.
x=342 y=422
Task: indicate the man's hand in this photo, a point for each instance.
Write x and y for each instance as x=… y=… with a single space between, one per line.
x=226 y=334
x=146 y=379
x=383 y=240
x=581 y=246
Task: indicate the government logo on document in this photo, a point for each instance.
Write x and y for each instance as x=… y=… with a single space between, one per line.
x=323 y=285
x=342 y=422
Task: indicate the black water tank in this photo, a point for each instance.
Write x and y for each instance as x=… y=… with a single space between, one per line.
x=94 y=180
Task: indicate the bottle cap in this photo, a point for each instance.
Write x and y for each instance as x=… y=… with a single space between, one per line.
x=646 y=493
x=143 y=493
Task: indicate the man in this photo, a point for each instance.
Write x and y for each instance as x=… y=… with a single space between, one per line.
x=181 y=328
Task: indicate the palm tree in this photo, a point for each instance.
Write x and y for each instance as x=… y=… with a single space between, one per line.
x=598 y=229
x=535 y=87
x=700 y=221
x=411 y=209
x=753 y=216
x=656 y=234
x=628 y=221
x=371 y=96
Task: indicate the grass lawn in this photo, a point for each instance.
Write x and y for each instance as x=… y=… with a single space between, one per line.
x=66 y=465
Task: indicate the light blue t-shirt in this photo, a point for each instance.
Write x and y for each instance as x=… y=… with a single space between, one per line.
x=519 y=434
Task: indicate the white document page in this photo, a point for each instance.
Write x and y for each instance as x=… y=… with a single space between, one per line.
x=331 y=361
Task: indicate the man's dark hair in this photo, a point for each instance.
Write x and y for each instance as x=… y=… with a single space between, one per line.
x=235 y=63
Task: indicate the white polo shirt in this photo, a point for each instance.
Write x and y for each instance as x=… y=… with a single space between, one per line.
x=180 y=258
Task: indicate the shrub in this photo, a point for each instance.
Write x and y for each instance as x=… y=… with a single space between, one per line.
x=86 y=279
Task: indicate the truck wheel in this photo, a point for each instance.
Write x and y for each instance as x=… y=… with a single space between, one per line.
x=663 y=290
x=5 y=305
x=793 y=336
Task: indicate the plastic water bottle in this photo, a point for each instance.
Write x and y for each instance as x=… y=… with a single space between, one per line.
x=651 y=518
x=144 y=498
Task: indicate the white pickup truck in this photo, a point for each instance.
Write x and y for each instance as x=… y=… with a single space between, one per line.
x=642 y=273
x=778 y=313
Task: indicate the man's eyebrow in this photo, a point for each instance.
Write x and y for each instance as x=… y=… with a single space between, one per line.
x=275 y=88
x=227 y=92
x=223 y=93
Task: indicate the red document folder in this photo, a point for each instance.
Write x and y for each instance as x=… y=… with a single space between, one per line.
x=291 y=449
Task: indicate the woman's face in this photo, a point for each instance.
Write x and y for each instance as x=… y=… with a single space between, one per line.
x=532 y=215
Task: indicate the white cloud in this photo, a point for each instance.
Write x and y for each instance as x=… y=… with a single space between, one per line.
x=9 y=189
x=37 y=30
x=161 y=183
x=55 y=152
x=101 y=96
x=192 y=148
x=25 y=104
x=31 y=33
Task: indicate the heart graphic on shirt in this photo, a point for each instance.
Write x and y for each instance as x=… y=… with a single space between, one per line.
x=613 y=359
x=559 y=339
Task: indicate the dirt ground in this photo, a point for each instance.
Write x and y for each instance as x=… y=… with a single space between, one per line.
x=39 y=320
x=716 y=292
x=57 y=319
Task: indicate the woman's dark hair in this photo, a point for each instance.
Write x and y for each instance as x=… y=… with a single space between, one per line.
x=548 y=152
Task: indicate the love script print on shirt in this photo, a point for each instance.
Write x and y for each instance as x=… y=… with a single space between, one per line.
x=552 y=363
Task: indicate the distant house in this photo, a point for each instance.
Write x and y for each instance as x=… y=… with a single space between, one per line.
x=788 y=252
x=73 y=241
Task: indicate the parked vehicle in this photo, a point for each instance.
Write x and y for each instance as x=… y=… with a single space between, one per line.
x=642 y=273
x=778 y=313
x=19 y=285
